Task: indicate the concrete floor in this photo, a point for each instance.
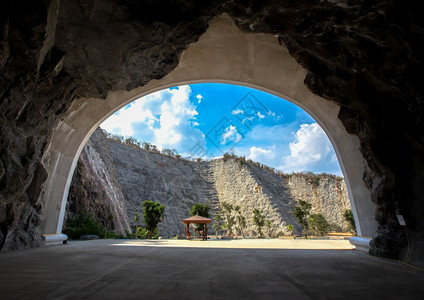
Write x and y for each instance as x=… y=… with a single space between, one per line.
x=221 y=269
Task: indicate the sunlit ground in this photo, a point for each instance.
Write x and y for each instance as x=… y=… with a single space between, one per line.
x=238 y=243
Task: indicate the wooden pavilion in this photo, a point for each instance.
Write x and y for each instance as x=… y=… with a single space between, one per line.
x=197 y=220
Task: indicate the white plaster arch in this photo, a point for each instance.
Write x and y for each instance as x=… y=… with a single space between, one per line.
x=222 y=54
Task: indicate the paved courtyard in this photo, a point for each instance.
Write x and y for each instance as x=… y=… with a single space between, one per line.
x=214 y=269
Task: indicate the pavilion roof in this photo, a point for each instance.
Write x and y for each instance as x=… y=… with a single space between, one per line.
x=197 y=219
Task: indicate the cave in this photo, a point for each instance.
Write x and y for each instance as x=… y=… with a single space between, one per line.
x=353 y=65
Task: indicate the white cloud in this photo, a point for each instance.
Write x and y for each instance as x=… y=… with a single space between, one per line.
x=123 y=120
x=247 y=120
x=230 y=134
x=164 y=118
x=259 y=154
x=199 y=98
x=276 y=117
x=310 y=148
x=237 y=111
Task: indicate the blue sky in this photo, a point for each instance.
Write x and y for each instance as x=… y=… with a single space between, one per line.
x=206 y=120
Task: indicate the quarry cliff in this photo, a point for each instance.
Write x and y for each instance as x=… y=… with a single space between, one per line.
x=115 y=178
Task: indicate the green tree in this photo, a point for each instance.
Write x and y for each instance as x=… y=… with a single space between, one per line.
x=319 y=224
x=258 y=220
x=348 y=216
x=269 y=226
x=136 y=220
x=167 y=151
x=301 y=212
x=241 y=220
x=118 y=138
x=153 y=213
x=202 y=210
x=227 y=209
x=146 y=146
x=109 y=222
x=217 y=224
x=224 y=226
x=131 y=141
x=231 y=221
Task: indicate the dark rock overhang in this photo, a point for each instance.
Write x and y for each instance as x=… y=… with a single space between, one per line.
x=366 y=56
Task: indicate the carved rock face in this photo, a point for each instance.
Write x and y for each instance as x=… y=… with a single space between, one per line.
x=114 y=177
x=364 y=56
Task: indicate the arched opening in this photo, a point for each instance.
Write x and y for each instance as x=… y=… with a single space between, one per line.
x=184 y=117
x=169 y=146
x=224 y=55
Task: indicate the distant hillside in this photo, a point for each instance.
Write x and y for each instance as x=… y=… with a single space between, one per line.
x=113 y=177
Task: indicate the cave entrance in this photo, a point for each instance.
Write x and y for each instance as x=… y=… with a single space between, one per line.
x=200 y=143
x=222 y=55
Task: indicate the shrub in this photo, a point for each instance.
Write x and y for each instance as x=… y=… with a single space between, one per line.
x=230 y=222
x=141 y=233
x=269 y=226
x=217 y=223
x=319 y=224
x=168 y=152
x=241 y=220
x=83 y=224
x=258 y=220
x=290 y=228
x=110 y=235
x=131 y=141
x=348 y=216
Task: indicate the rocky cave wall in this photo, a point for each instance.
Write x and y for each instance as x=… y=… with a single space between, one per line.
x=364 y=55
x=95 y=188
x=54 y=51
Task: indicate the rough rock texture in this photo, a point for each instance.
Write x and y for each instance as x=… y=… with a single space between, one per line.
x=142 y=175
x=54 y=51
x=107 y=167
x=95 y=189
x=139 y=41
x=364 y=55
x=150 y=176
x=251 y=187
x=328 y=196
x=247 y=186
x=32 y=98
